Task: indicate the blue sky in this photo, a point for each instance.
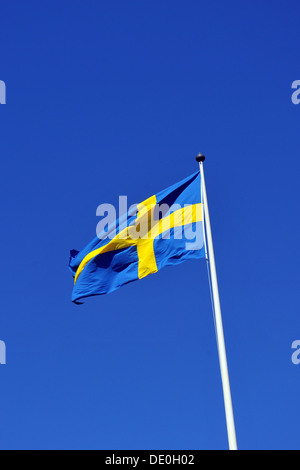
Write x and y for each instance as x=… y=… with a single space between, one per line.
x=116 y=98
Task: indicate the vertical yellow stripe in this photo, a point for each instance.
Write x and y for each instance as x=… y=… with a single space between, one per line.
x=145 y=249
x=146 y=255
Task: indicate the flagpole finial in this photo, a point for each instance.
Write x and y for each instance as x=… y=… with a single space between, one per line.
x=200 y=158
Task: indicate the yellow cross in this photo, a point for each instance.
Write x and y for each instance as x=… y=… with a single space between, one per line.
x=144 y=237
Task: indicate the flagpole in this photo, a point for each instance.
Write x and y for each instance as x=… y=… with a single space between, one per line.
x=218 y=317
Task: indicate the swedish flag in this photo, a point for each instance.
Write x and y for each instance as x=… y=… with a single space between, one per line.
x=166 y=229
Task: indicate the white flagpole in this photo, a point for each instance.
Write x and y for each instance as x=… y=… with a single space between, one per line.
x=218 y=317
